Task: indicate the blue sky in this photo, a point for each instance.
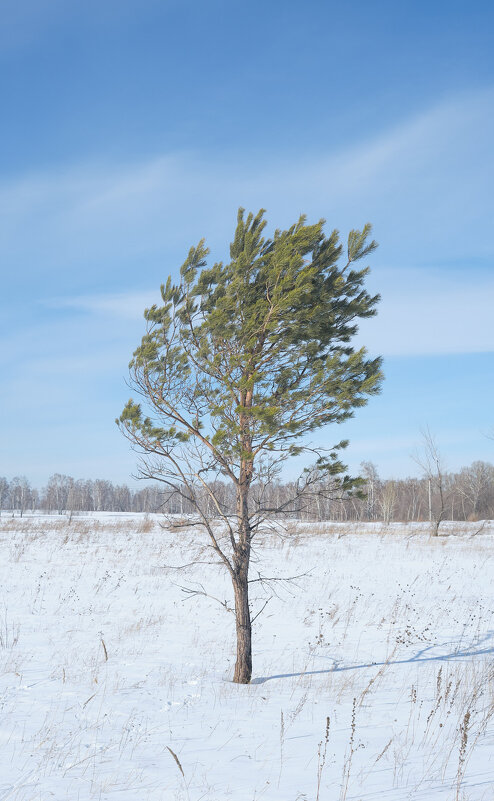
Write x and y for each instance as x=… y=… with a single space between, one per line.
x=131 y=129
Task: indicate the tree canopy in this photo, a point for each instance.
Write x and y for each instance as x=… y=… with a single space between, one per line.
x=243 y=361
x=250 y=356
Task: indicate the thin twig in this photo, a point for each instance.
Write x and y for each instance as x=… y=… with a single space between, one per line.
x=260 y=610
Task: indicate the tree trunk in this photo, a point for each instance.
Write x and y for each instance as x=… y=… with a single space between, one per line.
x=243 y=665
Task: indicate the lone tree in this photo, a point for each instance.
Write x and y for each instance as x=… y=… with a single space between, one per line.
x=241 y=364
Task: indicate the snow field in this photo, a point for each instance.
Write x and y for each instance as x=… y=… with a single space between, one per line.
x=373 y=673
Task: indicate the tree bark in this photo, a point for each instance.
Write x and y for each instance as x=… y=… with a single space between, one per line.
x=243 y=665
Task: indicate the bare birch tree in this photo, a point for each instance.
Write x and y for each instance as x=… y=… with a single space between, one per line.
x=430 y=460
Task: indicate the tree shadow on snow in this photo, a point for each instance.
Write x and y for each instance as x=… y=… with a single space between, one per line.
x=473 y=649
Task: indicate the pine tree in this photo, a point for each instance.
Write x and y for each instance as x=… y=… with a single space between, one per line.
x=240 y=365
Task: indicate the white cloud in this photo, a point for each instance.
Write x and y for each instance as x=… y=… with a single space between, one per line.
x=28 y=21
x=426 y=184
x=423 y=312
x=126 y=305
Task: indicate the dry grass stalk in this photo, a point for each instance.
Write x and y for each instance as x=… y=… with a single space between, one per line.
x=464 y=726
x=321 y=757
x=175 y=757
x=282 y=738
x=348 y=761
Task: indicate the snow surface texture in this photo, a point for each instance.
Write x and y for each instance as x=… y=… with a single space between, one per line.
x=373 y=675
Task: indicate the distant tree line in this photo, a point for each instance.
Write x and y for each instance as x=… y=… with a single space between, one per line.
x=467 y=495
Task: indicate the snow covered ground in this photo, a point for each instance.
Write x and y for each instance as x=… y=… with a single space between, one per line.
x=373 y=674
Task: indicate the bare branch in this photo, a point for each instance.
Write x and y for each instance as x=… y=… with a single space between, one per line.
x=263 y=607
x=192 y=592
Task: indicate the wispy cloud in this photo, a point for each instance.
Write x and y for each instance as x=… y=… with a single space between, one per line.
x=425 y=312
x=426 y=185
x=28 y=21
x=126 y=305
x=420 y=313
